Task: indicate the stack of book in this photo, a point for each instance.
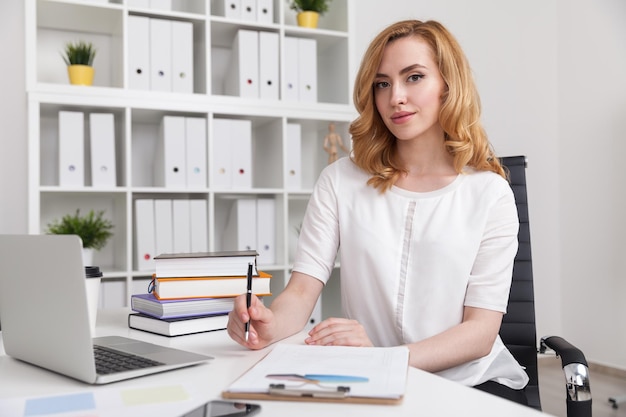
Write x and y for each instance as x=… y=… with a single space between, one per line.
x=194 y=292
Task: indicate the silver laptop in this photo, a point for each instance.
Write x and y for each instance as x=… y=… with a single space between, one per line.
x=43 y=305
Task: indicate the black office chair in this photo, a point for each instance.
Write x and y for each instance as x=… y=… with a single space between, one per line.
x=518 y=330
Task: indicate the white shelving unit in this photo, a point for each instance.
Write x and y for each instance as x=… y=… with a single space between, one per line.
x=51 y=23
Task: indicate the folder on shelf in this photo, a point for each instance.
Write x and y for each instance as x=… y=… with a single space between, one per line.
x=199 y=229
x=169 y=162
x=161 y=4
x=266 y=230
x=293 y=160
x=163 y=227
x=248 y=10
x=227 y=8
x=240 y=230
x=242 y=78
x=265 y=11
x=374 y=375
x=307 y=70
x=102 y=143
x=144 y=234
x=181 y=226
x=138 y=3
x=182 y=57
x=71 y=149
x=221 y=155
x=268 y=65
x=196 y=144
x=160 y=55
x=138 y=52
x=291 y=87
x=241 y=153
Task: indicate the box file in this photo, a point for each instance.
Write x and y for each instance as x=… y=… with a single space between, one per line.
x=163 y=229
x=268 y=65
x=170 y=165
x=138 y=52
x=241 y=153
x=138 y=3
x=266 y=230
x=307 y=70
x=248 y=10
x=161 y=4
x=102 y=144
x=291 y=87
x=181 y=225
x=240 y=230
x=293 y=157
x=221 y=165
x=199 y=225
x=196 y=155
x=160 y=55
x=182 y=57
x=71 y=149
x=144 y=234
x=242 y=78
x=265 y=11
x=227 y=8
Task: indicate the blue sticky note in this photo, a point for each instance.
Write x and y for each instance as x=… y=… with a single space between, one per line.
x=59 y=404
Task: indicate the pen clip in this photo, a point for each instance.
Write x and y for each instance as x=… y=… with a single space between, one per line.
x=281 y=389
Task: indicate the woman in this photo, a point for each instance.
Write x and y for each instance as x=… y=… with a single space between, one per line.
x=426 y=220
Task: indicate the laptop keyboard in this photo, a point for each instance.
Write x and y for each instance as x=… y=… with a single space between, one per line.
x=110 y=361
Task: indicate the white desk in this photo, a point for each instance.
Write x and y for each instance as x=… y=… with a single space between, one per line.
x=427 y=394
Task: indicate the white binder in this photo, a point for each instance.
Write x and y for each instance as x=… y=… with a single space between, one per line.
x=290 y=90
x=241 y=153
x=265 y=11
x=293 y=162
x=71 y=149
x=182 y=57
x=248 y=10
x=144 y=234
x=163 y=228
x=169 y=162
x=160 y=55
x=138 y=3
x=138 y=52
x=102 y=142
x=242 y=78
x=268 y=65
x=266 y=230
x=161 y=4
x=221 y=156
x=227 y=8
x=307 y=69
x=196 y=143
x=240 y=231
x=181 y=225
x=199 y=225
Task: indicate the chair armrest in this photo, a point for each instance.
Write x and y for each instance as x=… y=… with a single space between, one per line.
x=576 y=374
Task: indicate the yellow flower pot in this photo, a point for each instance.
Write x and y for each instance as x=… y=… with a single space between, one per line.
x=80 y=74
x=308 y=19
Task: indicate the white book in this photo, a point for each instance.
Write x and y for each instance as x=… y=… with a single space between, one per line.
x=241 y=153
x=265 y=11
x=307 y=70
x=196 y=146
x=199 y=225
x=221 y=160
x=293 y=157
x=163 y=227
x=266 y=230
x=242 y=78
x=248 y=10
x=144 y=234
x=291 y=87
x=102 y=141
x=182 y=57
x=160 y=55
x=226 y=8
x=169 y=162
x=71 y=149
x=181 y=226
x=139 y=52
x=268 y=66
x=240 y=231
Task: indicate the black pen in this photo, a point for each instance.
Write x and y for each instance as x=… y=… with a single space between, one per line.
x=249 y=298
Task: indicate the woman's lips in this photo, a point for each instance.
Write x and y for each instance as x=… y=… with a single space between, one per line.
x=401 y=117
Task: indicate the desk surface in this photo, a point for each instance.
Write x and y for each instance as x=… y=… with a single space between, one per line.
x=427 y=394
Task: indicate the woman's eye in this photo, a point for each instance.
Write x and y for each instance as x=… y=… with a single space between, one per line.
x=381 y=84
x=415 y=77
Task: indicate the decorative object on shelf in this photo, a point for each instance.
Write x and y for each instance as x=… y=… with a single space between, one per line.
x=93 y=229
x=309 y=11
x=331 y=141
x=79 y=58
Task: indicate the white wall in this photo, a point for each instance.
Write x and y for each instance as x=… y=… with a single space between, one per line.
x=551 y=76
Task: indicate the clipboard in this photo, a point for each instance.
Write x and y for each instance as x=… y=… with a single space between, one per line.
x=337 y=374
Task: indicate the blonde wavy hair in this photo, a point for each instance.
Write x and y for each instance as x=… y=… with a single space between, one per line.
x=374 y=146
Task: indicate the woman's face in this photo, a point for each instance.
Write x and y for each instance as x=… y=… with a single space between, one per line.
x=408 y=89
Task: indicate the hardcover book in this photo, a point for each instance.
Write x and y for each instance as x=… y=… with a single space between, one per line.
x=179 y=326
x=205 y=264
x=186 y=307
x=210 y=287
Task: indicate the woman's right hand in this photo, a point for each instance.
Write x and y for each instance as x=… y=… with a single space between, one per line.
x=261 y=323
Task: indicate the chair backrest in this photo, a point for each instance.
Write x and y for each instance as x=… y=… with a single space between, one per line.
x=518 y=331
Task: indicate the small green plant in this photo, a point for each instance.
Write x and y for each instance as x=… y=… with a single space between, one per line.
x=319 y=6
x=79 y=53
x=92 y=228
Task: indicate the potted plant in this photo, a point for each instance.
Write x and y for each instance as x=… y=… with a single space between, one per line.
x=79 y=58
x=309 y=11
x=92 y=228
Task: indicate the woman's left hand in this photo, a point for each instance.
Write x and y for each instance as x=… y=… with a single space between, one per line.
x=338 y=332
